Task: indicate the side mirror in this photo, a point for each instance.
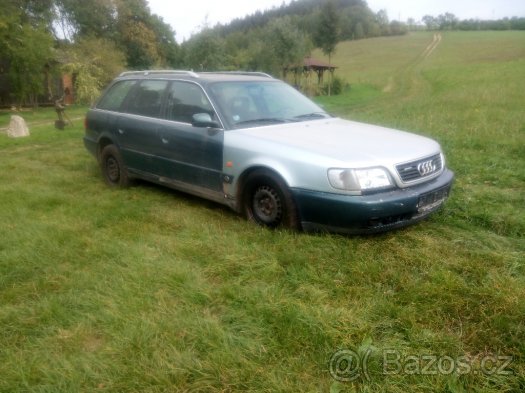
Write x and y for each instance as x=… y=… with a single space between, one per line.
x=204 y=120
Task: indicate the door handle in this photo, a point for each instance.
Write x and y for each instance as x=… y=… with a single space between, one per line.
x=164 y=140
x=120 y=131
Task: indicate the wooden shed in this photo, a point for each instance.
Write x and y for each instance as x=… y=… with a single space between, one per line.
x=302 y=73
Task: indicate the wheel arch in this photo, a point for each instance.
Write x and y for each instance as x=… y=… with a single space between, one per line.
x=244 y=176
x=103 y=141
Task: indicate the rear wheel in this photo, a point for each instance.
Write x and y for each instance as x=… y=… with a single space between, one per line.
x=268 y=202
x=113 y=168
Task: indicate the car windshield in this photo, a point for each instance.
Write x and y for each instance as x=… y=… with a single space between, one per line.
x=252 y=104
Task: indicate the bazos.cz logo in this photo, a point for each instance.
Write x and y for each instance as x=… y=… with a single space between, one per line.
x=347 y=365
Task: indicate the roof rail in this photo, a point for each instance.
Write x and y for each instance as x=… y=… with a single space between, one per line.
x=149 y=72
x=251 y=73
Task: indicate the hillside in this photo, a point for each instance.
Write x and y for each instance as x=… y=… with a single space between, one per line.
x=305 y=14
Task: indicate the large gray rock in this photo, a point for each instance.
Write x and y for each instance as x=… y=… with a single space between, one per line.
x=17 y=127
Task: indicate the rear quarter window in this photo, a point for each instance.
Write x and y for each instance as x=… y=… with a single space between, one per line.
x=146 y=99
x=114 y=97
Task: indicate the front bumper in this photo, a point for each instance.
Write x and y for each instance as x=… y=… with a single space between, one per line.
x=322 y=211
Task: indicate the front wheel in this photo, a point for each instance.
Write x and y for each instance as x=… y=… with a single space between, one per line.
x=113 y=168
x=268 y=202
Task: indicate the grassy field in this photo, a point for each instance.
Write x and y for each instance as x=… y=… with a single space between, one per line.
x=150 y=290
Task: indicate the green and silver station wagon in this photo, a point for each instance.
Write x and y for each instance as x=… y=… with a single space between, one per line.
x=257 y=145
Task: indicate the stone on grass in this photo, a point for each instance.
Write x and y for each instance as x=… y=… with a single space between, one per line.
x=17 y=127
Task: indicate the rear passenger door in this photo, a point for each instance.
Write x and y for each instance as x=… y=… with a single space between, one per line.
x=191 y=155
x=103 y=121
x=138 y=129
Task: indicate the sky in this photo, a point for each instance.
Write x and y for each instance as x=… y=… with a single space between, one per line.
x=188 y=18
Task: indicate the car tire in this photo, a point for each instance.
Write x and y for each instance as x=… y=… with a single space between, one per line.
x=268 y=202
x=113 y=167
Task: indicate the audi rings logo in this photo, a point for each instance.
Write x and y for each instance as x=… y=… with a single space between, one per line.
x=347 y=365
x=426 y=168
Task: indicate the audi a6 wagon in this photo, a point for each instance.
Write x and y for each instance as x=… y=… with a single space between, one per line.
x=257 y=145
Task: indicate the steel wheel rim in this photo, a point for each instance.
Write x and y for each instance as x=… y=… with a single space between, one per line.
x=112 y=169
x=267 y=205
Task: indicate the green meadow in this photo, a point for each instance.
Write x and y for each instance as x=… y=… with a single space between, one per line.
x=150 y=290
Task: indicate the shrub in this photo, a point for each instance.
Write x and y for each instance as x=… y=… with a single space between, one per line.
x=339 y=85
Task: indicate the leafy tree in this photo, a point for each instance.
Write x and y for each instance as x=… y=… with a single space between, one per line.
x=447 y=21
x=257 y=58
x=288 y=45
x=517 y=23
x=359 y=31
x=358 y=22
x=167 y=47
x=397 y=28
x=25 y=48
x=382 y=20
x=140 y=45
x=430 y=22
x=373 y=30
x=37 y=13
x=94 y=62
x=29 y=51
x=85 y=18
x=135 y=34
x=327 y=34
x=145 y=38
x=205 y=52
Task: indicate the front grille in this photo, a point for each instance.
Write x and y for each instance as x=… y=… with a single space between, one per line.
x=419 y=169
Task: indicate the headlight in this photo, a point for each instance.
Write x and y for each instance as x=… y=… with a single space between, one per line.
x=359 y=179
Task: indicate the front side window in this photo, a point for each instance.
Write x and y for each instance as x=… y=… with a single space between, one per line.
x=186 y=99
x=147 y=98
x=113 y=99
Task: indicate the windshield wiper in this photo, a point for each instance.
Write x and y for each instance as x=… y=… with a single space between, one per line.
x=263 y=120
x=313 y=115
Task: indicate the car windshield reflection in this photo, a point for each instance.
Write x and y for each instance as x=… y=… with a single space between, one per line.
x=252 y=104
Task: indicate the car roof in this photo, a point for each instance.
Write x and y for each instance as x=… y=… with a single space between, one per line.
x=220 y=76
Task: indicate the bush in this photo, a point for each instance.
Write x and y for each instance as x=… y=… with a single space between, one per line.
x=94 y=62
x=339 y=85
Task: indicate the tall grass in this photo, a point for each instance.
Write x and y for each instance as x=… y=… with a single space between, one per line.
x=150 y=290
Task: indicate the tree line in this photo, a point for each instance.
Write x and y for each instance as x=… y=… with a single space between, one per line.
x=96 y=39
x=449 y=21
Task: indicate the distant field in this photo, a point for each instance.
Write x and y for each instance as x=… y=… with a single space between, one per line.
x=149 y=290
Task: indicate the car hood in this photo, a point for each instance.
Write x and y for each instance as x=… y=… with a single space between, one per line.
x=346 y=141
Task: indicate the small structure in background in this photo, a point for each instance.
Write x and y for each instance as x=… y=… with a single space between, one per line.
x=52 y=85
x=17 y=127
x=68 y=83
x=303 y=73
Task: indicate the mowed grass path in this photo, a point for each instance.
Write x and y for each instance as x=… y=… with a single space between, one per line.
x=150 y=290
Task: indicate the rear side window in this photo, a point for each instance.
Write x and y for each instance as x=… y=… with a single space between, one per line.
x=113 y=99
x=146 y=99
